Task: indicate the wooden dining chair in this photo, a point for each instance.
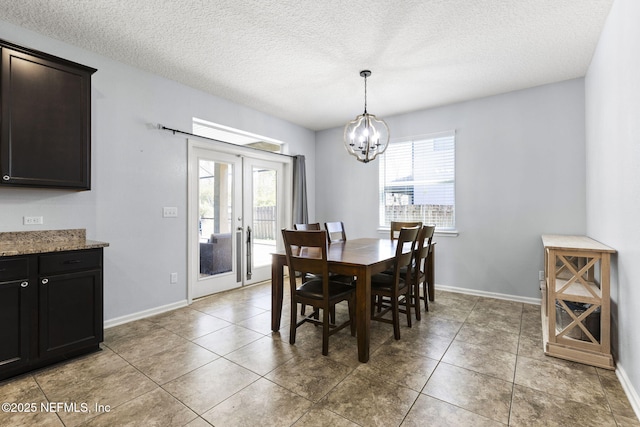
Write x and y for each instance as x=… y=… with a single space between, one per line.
x=390 y=290
x=335 y=234
x=394 y=229
x=335 y=231
x=348 y=280
x=417 y=272
x=306 y=251
x=419 y=266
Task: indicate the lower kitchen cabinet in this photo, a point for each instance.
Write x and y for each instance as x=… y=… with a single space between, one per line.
x=16 y=303
x=51 y=308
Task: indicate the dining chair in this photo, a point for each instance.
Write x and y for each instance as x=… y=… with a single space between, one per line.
x=419 y=268
x=417 y=272
x=389 y=290
x=414 y=275
x=335 y=231
x=306 y=251
x=394 y=229
x=349 y=280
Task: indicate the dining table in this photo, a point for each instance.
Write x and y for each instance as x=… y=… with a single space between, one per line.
x=361 y=258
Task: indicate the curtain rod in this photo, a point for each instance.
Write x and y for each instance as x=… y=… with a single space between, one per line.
x=162 y=127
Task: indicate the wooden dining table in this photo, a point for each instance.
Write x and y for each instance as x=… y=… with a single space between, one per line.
x=361 y=258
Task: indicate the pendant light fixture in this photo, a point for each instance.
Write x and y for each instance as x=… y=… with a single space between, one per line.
x=366 y=136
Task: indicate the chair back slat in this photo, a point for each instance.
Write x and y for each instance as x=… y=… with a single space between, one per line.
x=335 y=232
x=307 y=227
x=306 y=251
x=396 y=226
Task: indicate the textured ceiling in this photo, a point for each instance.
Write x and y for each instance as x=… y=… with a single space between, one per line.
x=300 y=60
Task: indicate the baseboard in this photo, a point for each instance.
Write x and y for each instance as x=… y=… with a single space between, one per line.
x=632 y=394
x=526 y=300
x=145 y=313
x=162 y=309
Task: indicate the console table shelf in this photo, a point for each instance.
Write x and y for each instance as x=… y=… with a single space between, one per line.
x=575 y=298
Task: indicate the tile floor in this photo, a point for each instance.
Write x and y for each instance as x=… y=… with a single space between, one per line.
x=470 y=362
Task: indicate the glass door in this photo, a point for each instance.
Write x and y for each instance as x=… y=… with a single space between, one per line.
x=263 y=191
x=236 y=214
x=218 y=191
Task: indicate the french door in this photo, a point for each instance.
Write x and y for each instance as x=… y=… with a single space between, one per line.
x=236 y=211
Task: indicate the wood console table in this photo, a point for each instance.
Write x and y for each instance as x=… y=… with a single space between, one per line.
x=576 y=314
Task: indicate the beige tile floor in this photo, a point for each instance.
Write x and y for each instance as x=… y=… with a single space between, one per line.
x=470 y=362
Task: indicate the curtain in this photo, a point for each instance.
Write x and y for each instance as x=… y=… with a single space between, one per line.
x=300 y=214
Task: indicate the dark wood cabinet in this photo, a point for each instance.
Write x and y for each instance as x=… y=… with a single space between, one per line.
x=45 y=139
x=70 y=301
x=16 y=303
x=51 y=308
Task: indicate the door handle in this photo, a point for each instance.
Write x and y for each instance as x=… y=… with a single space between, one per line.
x=249 y=273
x=239 y=255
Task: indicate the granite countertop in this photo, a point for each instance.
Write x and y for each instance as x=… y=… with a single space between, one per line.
x=35 y=242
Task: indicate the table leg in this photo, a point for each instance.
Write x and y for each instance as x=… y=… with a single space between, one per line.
x=363 y=313
x=276 y=291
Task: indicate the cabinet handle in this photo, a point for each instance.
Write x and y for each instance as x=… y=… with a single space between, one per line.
x=73 y=261
x=45 y=281
x=24 y=284
x=6 y=177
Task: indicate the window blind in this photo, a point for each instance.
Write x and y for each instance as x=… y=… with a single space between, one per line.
x=417 y=180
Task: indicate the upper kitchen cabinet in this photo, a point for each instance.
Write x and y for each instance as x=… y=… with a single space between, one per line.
x=46 y=120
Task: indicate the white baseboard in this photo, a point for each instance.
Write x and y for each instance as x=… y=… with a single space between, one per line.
x=632 y=393
x=162 y=309
x=526 y=300
x=142 y=314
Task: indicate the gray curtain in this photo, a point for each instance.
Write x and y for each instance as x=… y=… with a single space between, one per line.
x=300 y=215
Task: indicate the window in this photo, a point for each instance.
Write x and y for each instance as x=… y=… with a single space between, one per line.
x=234 y=136
x=417 y=181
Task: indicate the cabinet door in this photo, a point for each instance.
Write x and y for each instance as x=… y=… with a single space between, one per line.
x=45 y=140
x=70 y=312
x=15 y=303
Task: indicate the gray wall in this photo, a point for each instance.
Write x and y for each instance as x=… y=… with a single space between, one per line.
x=613 y=181
x=520 y=173
x=136 y=171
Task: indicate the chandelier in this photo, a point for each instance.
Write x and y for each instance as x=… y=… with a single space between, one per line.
x=366 y=136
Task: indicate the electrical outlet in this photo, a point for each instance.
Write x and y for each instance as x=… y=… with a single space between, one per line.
x=32 y=220
x=170 y=212
x=173 y=278
x=540 y=275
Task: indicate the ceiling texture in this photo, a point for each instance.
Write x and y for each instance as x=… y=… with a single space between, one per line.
x=300 y=60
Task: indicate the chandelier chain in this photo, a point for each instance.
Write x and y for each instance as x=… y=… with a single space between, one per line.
x=365 y=94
